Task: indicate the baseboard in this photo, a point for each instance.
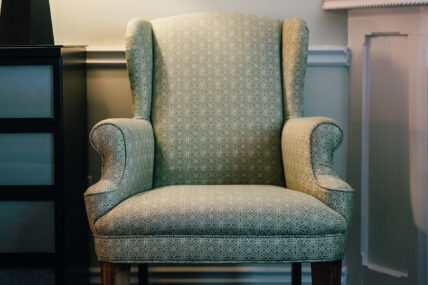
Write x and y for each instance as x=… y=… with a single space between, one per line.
x=220 y=274
x=317 y=56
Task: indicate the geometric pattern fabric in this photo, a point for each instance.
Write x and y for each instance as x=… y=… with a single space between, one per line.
x=217 y=108
x=198 y=175
x=219 y=249
x=260 y=210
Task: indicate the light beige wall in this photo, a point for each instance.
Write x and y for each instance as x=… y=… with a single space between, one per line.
x=101 y=23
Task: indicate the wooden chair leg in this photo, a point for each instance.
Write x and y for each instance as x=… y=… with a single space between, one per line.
x=326 y=273
x=296 y=273
x=115 y=273
x=143 y=274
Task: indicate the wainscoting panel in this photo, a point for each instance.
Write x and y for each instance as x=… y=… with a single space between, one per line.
x=317 y=56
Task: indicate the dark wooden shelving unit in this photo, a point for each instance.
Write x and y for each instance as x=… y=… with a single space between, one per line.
x=47 y=184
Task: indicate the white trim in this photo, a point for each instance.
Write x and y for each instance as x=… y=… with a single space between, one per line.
x=317 y=56
x=387 y=271
x=355 y=4
x=328 y=56
x=418 y=63
x=105 y=57
x=245 y=274
x=365 y=121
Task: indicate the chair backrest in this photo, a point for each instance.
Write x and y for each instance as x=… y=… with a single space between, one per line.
x=216 y=95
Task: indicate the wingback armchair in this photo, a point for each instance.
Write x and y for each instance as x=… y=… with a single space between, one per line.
x=218 y=165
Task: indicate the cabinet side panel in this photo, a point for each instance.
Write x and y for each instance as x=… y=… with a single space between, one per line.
x=75 y=164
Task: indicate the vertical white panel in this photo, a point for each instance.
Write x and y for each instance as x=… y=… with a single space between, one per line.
x=388 y=163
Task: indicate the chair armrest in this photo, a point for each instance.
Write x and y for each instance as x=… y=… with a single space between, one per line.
x=126 y=147
x=308 y=145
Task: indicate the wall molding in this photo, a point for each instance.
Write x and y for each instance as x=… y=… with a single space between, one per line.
x=218 y=274
x=329 y=56
x=355 y=4
x=96 y=57
x=317 y=56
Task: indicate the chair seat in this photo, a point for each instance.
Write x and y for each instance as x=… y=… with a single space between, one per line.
x=224 y=210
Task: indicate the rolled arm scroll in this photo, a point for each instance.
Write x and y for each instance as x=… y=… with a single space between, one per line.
x=126 y=147
x=308 y=145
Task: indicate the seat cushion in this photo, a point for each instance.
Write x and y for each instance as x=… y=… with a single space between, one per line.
x=255 y=210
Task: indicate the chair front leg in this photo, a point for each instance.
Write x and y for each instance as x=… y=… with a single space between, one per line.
x=296 y=273
x=115 y=273
x=326 y=273
x=143 y=274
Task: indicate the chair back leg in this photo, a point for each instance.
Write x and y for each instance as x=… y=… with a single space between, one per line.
x=326 y=273
x=115 y=273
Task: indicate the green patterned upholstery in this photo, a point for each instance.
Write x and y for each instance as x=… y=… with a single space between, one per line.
x=198 y=175
x=127 y=151
x=294 y=54
x=139 y=53
x=308 y=145
x=221 y=210
x=217 y=100
x=220 y=249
